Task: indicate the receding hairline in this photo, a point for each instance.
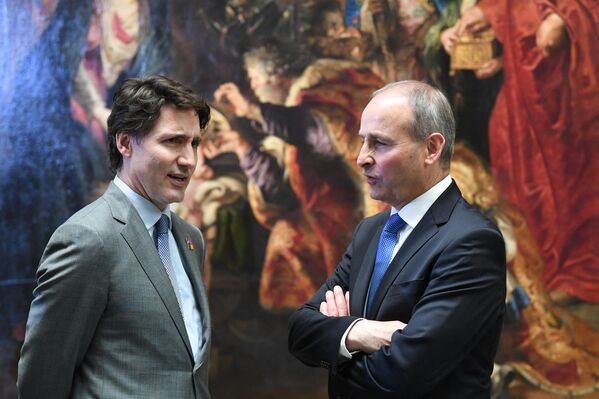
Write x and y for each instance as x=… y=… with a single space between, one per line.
x=431 y=111
x=392 y=96
x=403 y=86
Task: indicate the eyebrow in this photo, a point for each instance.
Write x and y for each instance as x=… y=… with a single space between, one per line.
x=171 y=133
x=377 y=136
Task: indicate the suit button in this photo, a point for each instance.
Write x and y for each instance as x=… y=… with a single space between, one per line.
x=324 y=364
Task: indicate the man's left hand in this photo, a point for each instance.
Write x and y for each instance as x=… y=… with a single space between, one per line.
x=336 y=303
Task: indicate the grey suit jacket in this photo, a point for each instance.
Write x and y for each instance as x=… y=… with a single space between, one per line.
x=105 y=321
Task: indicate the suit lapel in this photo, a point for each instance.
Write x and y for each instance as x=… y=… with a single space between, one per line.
x=360 y=290
x=192 y=268
x=423 y=232
x=142 y=246
x=428 y=226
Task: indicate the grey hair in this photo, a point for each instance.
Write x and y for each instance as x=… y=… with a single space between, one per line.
x=432 y=113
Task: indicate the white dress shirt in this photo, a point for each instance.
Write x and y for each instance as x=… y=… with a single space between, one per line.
x=150 y=214
x=411 y=213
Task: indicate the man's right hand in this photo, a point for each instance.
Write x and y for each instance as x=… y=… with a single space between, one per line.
x=226 y=141
x=366 y=335
x=370 y=335
x=228 y=97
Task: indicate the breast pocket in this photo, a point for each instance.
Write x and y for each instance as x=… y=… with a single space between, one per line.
x=407 y=288
x=401 y=299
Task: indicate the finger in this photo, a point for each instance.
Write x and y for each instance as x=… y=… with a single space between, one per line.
x=224 y=91
x=218 y=94
x=331 y=306
x=347 y=302
x=340 y=301
x=323 y=308
x=460 y=28
x=228 y=135
x=480 y=73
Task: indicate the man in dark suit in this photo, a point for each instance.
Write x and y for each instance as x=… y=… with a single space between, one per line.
x=120 y=307
x=415 y=307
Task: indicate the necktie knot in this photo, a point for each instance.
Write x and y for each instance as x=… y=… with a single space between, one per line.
x=394 y=224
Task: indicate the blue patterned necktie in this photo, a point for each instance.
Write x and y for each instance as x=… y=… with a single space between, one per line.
x=384 y=252
x=161 y=229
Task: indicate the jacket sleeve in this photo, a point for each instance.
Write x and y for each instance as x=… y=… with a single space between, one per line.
x=313 y=337
x=69 y=300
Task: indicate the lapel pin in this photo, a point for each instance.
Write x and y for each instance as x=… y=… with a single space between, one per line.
x=190 y=244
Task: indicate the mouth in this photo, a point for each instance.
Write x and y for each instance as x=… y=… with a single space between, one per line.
x=370 y=179
x=178 y=179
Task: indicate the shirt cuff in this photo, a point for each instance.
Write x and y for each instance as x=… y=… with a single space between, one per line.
x=343 y=352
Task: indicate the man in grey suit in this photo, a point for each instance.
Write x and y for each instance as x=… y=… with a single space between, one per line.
x=120 y=309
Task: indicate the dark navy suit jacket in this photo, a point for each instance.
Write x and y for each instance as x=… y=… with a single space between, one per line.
x=447 y=283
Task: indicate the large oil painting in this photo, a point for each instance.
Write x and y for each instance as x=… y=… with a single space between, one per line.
x=276 y=210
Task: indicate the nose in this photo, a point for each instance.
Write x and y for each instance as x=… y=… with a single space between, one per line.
x=188 y=157
x=365 y=156
x=254 y=84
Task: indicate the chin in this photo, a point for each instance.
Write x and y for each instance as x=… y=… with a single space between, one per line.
x=176 y=198
x=375 y=195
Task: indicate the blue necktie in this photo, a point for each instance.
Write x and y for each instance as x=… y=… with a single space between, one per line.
x=384 y=252
x=161 y=229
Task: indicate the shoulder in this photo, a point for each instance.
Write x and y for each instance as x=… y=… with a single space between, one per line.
x=84 y=229
x=468 y=217
x=470 y=233
x=96 y=224
x=96 y=216
x=369 y=225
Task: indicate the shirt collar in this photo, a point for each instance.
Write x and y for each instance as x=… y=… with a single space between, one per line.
x=412 y=212
x=148 y=212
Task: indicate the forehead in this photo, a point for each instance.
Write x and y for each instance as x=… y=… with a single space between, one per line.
x=257 y=71
x=384 y=113
x=176 y=120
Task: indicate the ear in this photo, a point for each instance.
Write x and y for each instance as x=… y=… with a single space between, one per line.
x=123 y=144
x=435 y=143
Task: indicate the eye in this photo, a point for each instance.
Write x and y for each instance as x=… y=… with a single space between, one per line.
x=195 y=143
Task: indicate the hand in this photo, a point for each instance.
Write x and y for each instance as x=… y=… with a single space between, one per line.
x=202 y=170
x=228 y=97
x=370 y=335
x=489 y=68
x=551 y=35
x=336 y=303
x=449 y=38
x=225 y=141
x=473 y=21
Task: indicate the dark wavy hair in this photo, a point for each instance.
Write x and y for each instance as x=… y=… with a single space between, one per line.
x=136 y=108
